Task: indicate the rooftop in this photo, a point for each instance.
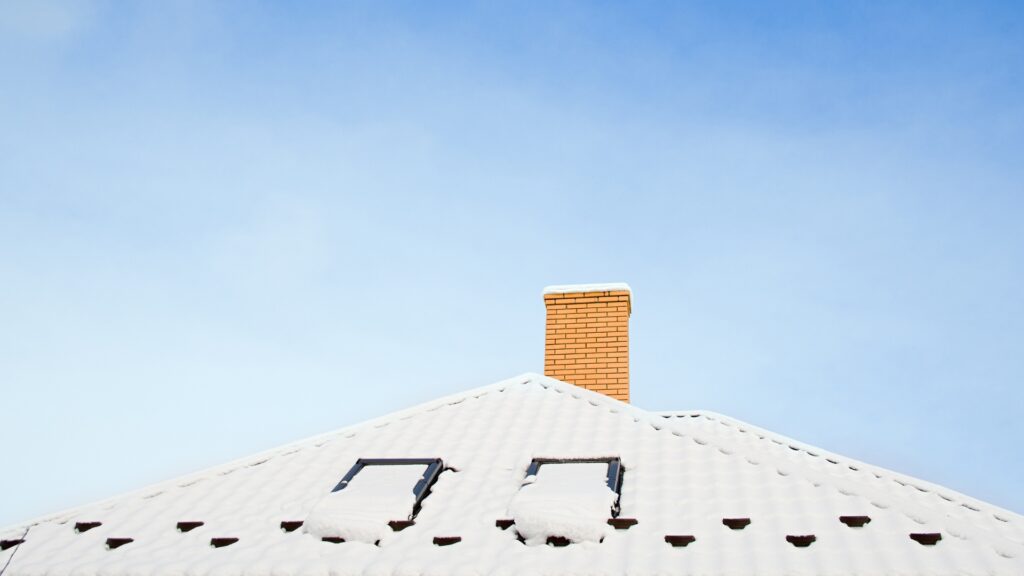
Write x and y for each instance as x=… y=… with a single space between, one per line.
x=699 y=493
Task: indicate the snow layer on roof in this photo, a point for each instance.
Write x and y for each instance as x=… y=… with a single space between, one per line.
x=572 y=288
x=682 y=476
x=361 y=512
x=570 y=501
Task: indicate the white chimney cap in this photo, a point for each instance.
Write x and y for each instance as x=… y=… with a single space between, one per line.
x=573 y=288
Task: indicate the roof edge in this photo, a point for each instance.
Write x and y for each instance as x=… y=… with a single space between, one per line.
x=943 y=492
x=524 y=378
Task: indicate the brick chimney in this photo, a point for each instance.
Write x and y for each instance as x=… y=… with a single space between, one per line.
x=587 y=337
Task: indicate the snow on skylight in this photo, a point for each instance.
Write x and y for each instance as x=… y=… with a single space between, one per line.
x=565 y=500
x=361 y=511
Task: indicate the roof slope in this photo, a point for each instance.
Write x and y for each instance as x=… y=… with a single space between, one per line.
x=684 y=473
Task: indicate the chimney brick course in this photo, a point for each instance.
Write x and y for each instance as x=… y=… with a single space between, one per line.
x=587 y=339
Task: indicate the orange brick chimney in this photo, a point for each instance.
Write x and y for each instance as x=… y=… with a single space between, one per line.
x=587 y=338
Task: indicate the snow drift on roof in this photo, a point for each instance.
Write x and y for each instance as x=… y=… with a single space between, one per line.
x=361 y=512
x=570 y=501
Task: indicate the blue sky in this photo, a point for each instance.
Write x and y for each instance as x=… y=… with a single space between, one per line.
x=227 y=226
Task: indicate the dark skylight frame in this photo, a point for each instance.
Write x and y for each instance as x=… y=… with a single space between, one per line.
x=613 y=477
x=422 y=488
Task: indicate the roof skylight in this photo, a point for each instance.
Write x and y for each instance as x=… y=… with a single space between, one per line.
x=567 y=501
x=375 y=497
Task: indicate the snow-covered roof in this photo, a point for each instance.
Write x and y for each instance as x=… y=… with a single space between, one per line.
x=709 y=495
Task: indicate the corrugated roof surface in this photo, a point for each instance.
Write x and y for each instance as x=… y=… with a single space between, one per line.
x=684 y=474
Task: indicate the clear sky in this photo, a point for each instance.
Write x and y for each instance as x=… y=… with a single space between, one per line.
x=225 y=226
